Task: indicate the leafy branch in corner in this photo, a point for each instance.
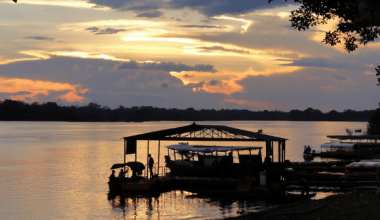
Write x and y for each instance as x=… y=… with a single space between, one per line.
x=359 y=21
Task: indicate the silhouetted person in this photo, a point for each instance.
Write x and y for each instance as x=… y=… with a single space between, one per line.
x=121 y=175
x=150 y=164
x=230 y=158
x=308 y=150
x=15 y=1
x=112 y=176
x=268 y=169
x=304 y=186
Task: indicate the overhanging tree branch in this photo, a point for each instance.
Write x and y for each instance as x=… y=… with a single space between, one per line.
x=359 y=20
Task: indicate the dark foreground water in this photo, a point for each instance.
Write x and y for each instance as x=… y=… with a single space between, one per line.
x=51 y=170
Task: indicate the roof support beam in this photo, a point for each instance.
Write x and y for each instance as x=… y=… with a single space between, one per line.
x=197 y=139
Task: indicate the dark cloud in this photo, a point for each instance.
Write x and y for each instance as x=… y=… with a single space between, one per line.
x=131 y=5
x=116 y=4
x=154 y=14
x=135 y=87
x=98 y=31
x=311 y=87
x=214 y=82
x=220 y=7
x=110 y=31
x=148 y=6
x=323 y=63
x=339 y=77
x=209 y=7
x=195 y=85
x=40 y=38
x=220 y=48
x=176 y=19
x=166 y=66
x=201 y=26
x=187 y=76
x=15 y=93
x=92 y=29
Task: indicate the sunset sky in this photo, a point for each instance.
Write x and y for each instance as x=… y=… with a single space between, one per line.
x=205 y=54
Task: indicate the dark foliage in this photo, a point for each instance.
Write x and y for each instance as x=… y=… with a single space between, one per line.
x=378 y=74
x=19 y=111
x=358 y=20
x=373 y=126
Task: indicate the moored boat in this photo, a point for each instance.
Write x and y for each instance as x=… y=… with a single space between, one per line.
x=356 y=147
x=212 y=161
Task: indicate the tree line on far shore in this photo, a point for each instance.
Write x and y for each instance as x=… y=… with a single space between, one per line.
x=11 y=110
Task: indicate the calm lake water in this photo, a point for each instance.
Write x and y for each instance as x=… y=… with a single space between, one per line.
x=51 y=170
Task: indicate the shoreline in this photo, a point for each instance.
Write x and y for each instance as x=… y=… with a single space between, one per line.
x=351 y=205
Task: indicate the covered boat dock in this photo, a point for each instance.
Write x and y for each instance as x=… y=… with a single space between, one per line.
x=216 y=133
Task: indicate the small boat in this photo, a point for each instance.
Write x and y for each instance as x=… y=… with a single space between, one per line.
x=134 y=183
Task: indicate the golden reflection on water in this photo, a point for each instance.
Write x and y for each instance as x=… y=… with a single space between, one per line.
x=177 y=205
x=60 y=169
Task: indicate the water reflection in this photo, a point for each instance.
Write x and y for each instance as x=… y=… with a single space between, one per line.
x=70 y=162
x=180 y=205
x=130 y=203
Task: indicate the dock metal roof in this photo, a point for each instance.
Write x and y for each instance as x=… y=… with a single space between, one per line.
x=355 y=137
x=195 y=132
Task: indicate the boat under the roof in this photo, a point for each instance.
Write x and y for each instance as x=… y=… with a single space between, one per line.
x=212 y=161
x=209 y=148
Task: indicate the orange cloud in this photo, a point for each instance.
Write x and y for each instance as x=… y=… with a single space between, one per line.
x=213 y=83
x=35 y=87
x=226 y=87
x=249 y=103
x=370 y=72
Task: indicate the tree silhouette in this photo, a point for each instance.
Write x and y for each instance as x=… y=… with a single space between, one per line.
x=11 y=110
x=359 y=20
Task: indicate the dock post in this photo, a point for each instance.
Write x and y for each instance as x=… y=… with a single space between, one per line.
x=147 y=162
x=136 y=153
x=125 y=152
x=345 y=173
x=159 y=144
